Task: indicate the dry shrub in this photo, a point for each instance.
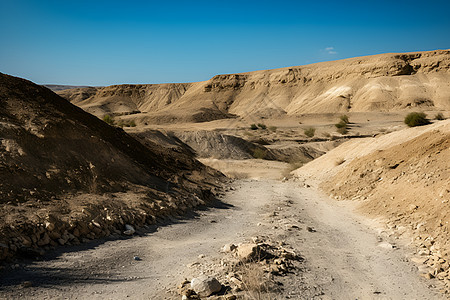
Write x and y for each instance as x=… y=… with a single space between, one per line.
x=255 y=281
x=108 y=119
x=342 y=130
x=439 y=117
x=416 y=119
x=259 y=153
x=344 y=119
x=310 y=132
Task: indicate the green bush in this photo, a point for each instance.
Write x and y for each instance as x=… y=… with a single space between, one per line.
x=341 y=124
x=342 y=130
x=309 y=132
x=439 y=116
x=262 y=126
x=344 y=118
x=416 y=119
x=259 y=153
x=108 y=119
x=253 y=127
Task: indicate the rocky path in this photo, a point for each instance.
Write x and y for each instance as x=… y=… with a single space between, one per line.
x=345 y=257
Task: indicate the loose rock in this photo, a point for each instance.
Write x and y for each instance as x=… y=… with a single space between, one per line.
x=129 y=230
x=205 y=286
x=248 y=252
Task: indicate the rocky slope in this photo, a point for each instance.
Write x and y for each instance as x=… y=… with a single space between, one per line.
x=386 y=82
x=403 y=178
x=63 y=170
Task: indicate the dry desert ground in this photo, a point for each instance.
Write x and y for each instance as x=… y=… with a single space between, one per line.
x=294 y=183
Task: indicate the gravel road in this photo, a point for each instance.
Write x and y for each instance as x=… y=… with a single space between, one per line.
x=346 y=256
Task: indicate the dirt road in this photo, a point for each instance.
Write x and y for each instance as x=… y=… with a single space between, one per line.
x=345 y=258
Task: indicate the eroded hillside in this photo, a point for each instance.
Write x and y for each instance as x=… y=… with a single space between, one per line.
x=63 y=170
x=386 y=82
x=402 y=178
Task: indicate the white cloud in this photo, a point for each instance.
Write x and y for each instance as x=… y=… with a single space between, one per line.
x=330 y=50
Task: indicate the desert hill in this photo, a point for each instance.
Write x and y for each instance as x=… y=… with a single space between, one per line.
x=59 y=164
x=403 y=178
x=61 y=87
x=385 y=82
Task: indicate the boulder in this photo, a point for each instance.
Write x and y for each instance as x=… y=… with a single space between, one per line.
x=205 y=285
x=247 y=252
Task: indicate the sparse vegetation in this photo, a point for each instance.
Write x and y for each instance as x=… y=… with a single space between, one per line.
x=255 y=281
x=342 y=126
x=122 y=123
x=253 y=127
x=108 y=119
x=326 y=134
x=344 y=118
x=416 y=119
x=309 y=132
x=262 y=126
x=342 y=130
x=273 y=128
x=259 y=153
x=111 y=121
x=439 y=117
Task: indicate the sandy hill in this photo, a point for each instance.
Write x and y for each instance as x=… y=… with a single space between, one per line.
x=403 y=178
x=386 y=82
x=59 y=164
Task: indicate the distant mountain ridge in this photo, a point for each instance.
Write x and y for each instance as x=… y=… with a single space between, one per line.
x=62 y=87
x=384 y=82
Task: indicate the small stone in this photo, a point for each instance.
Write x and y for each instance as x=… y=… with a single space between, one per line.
x=49 y=226
x=236 y=282
x=310 y=229
x=44 y=240
x=129 y=230
x=205 y=286
x=412 y=207
x=228 y=248
x=256 y=240
x=386 y=245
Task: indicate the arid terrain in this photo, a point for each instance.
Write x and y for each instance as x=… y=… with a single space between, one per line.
x=294 y=183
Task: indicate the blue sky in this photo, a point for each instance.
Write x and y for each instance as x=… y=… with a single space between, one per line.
x=111 y=42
